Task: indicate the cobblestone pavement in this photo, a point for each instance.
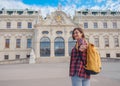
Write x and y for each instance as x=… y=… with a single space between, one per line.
x=54 y=74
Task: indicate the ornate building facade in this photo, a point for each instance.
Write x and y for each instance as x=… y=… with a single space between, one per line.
x=51 y=37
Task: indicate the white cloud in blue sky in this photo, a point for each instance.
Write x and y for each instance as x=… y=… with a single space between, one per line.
x=68 y=6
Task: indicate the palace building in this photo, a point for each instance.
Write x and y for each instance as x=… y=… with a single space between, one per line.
x=50 y=38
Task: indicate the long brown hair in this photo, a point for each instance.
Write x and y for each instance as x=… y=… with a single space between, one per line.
x=80 y=30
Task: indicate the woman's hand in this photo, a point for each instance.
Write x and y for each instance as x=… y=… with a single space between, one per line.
x=83 y=47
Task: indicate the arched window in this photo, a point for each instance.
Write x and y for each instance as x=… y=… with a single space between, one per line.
x=59 y=32
x=106 y=42
x=96 y=42
x=59 y=46
x=45 y=32
x=45 y=46
x=71 y=44
x=116 y=42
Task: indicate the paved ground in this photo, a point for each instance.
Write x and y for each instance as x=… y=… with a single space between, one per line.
x=54 y=74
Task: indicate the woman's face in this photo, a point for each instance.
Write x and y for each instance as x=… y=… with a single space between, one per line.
x=77 y=34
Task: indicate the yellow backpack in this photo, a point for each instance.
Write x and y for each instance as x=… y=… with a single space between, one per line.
x=93 y=64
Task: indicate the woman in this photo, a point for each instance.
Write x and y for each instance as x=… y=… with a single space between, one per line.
x=78 y=60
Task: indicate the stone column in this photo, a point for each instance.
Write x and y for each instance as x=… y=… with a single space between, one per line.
x=2 y=42
x=66 y=48
x=12 y=43
x=36 y=46
x=66 y=42
x=37 y=49
x=119 y=39
x=111 y=41
x=101 y=42
x=24 y=42
x=52 y=53
x=111 y=46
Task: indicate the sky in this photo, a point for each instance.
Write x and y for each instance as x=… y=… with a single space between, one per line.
x=68 y=6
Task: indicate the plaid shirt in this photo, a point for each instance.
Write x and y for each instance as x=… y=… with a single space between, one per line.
x=77 y=62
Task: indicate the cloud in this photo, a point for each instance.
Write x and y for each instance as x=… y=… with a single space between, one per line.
x=13 y=4
x=68 y=6
x=111 y=5
x=73 y=1
x=18 y=4
x=99 y=1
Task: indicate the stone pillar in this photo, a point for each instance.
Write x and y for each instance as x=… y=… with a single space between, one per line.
x=111 y=46
x=36 y=46
x=101 y=42
x=24 y=42
x=111 y=41
x=32 y=57
x=66 y=37
x=119 y=39
x=12 y=43
x=2 y=42
x=37 y=49
x=52 y=53
x=66 y=48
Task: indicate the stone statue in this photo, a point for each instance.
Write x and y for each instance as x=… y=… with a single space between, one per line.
x=32 y=57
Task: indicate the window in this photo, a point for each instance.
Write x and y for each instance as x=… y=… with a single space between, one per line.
x=85 y=25
x=18 y=41
x=114 y=24
x=1 y=12
x=30 y=12
x=19 y=12
x=103 y=13
x=45 y=32
x=19 y=25
x=45 y=47
x=94 y=13
x=29 y=43
x=95 y=25
x=106 y=42
x=29 y=24
x=59 y=46
x=108 y=55
x=105 y=24
x=6 y=57
x=28 y=56
x=113 y=13
x=8 y=25
x=7 y=43
x=84 y=13
x=117 y=54
x=59 y=32
x=9 y=12
x=116 y=41
x=97 y=42
x=17 y=56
